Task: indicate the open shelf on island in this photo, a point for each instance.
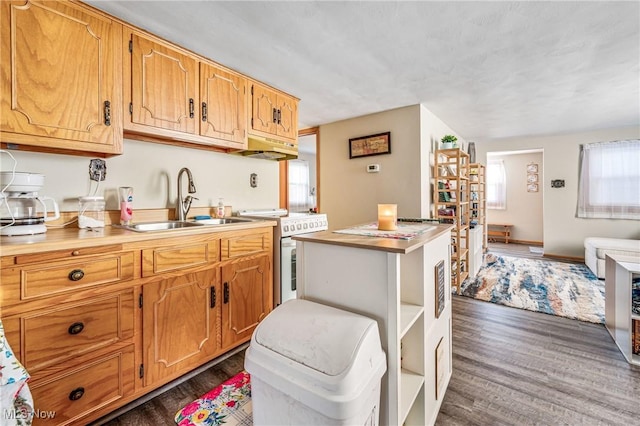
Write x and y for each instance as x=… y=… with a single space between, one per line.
x=410 y=385
x=408 y=315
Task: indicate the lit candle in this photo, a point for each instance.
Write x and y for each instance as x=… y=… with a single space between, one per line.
x=387 y=217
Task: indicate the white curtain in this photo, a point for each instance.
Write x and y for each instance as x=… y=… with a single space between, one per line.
x=609 y=185
x=299 y=186
x=496 y=185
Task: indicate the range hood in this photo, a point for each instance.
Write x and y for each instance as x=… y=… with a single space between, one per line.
x=269 y=149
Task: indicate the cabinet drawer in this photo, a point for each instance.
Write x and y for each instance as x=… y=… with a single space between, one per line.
x=84 y=389
x=180 y=256
x=54 y=335
x=47 y=279
x=245 y=245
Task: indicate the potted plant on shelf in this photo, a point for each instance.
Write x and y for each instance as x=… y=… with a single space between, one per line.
x=449 y=141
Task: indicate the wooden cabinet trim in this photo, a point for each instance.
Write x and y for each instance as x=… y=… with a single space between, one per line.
x=66 y=254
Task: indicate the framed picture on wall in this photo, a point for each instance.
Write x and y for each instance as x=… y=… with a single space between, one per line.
x=365 y=146
x=532 y=168
x=532 y=178
x=532 y=187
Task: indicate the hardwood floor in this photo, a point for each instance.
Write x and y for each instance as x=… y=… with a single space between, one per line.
x=510 y=367
x=515 y=367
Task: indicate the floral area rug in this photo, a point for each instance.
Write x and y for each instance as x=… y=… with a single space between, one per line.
x=568 y=290
x=227 y=404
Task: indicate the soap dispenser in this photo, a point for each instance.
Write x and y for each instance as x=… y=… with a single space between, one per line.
x=220 y=208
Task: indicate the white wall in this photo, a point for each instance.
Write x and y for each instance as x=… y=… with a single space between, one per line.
x=564 y=234
x=524 y=209
x=349 y=195
x=152 y=170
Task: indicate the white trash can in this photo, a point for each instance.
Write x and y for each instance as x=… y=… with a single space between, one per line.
x=312 y=364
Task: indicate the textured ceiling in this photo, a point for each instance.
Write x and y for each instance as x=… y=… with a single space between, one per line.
x=487 y=69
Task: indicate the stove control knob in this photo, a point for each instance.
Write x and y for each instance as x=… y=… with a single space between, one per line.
x=304 y=226
x=312 y=225
x=285 y=228
x=298 y=226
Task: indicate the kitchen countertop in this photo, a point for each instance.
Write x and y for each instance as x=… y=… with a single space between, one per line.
x=391 y=245
x=74 y=238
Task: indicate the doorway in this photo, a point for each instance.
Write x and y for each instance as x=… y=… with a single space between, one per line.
x=515 y=194
x=300 y=178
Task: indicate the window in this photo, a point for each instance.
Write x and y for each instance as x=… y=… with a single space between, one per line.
x=299 y=186
x=609 y=185
x=496 y=185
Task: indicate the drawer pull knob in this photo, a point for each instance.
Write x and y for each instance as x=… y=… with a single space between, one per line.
x=76 y=394
x=75 y=253
x=76 y=328
x=76 y=275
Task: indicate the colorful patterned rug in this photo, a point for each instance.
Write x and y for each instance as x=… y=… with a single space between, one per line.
x=568 y=290
x=227 y=404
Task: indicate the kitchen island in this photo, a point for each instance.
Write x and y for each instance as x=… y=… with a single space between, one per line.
x=405 y=286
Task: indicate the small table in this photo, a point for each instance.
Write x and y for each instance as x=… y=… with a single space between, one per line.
x=503 y=230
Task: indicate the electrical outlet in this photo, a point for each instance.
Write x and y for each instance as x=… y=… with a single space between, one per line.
x=97 y=170
x=253 y=180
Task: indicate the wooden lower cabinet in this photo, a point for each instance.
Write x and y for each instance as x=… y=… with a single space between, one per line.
x=247 y=298
x=181 y=317
x=86 y=387
x=141 y=314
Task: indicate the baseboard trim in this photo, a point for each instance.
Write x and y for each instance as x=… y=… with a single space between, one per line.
x=561 y=256
x=526 y=242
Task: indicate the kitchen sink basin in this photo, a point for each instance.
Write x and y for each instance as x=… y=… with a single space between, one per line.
x=222 y=221
x=159 y=226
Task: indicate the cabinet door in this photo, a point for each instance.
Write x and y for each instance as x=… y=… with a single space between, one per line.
x=180 y=323
x=224 y=105
x=247 y=298
x=61 y=83
x=263 y=109
x=164 y=87
x=287 y=123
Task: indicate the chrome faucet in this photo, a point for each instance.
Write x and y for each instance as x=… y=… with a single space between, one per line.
x=184 y=205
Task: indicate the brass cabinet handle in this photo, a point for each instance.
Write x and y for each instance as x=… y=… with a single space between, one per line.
x=76 y=327
x=107 y=113
x=225 y=296
x=191 y=108
x=76 y=275
x=212 y=300
x=204 y=111
x=76 y=394
x=279 y=116
x=275 y=115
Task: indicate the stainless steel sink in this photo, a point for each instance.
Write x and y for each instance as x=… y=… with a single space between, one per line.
x=223 y=221
x=159 y=226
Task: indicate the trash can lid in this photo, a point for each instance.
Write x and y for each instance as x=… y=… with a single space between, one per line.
x=320 y=337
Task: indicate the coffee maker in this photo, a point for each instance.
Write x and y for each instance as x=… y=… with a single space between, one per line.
x=22 y=210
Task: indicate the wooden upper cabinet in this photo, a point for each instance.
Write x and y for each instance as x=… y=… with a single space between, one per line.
x=164 y=87
x=61 y=82
x=287 y=125
x=173 y=95
x=224 y=105
x=273 y=113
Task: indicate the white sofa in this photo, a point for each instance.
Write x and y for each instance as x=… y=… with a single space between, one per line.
x=596 y=248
